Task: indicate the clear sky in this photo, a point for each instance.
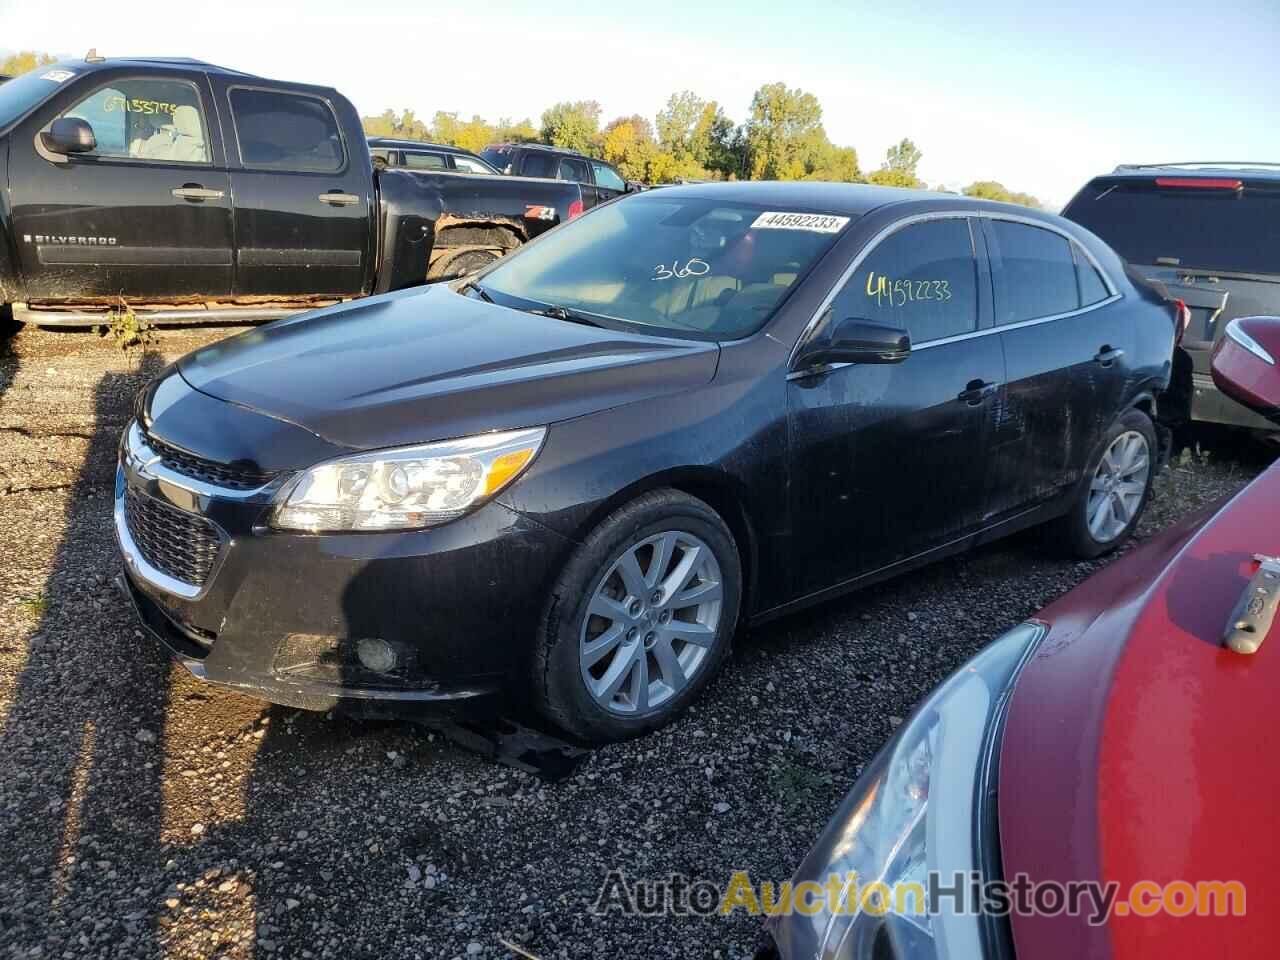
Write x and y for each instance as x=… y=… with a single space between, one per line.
x=1038 y=95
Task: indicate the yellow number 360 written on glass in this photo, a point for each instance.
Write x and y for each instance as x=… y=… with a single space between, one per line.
x=898 y=293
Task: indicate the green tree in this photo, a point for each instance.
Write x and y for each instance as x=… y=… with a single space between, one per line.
x=899 y=167
x=23 y=62
x=994 y=190
x=405 y=126
x=574 y=126
x=522 y=131
x=628 y=144
x=835 y=165
x=473 y=134
x=784 y=133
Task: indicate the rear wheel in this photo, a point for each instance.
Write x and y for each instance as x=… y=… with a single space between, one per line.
x=640 y=619
x=1115 y=490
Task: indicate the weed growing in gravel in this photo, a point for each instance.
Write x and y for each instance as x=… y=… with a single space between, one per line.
x=128 y=330
x=37 y=605
x=795 y=784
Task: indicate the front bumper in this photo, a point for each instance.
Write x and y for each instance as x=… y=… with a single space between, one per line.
x=281 y=615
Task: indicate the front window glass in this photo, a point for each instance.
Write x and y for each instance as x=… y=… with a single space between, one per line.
x=606 y=177
x=922 y=279
x=158 y=120
x=574 y=170
x=425 y=161
x=682 y=266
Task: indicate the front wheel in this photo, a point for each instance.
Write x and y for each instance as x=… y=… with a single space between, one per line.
x=640 y=619
x=1116 y=488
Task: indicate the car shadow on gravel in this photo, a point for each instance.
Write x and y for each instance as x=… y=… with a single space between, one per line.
x=87 y=707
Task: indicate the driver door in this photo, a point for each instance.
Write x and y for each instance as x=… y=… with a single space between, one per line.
x=145 y=215
x=889 y=461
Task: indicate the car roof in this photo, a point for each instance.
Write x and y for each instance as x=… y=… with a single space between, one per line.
x=1254 y=170
x=544 y=147
x=186 y=63
x=402 y=144
x=841 y=199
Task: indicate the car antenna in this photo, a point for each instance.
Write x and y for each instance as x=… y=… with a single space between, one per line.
x=92 y=56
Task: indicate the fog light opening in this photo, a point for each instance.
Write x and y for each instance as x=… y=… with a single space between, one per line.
x=376 y=655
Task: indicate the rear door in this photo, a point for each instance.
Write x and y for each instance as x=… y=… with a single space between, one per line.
x=889 y=461
x=303 y=203
x=146 y=215
x=1067 y=354
x=576 y=169
x=609 y=183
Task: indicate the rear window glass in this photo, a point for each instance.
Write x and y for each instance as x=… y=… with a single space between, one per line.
x=284 y=131
x=538 y=165
x=498 y=157
x=1039 y=275
x=425 y=161
x=1228 y=230
x=685 y=266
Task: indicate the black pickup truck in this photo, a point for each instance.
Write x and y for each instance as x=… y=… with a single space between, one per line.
x=194 y=193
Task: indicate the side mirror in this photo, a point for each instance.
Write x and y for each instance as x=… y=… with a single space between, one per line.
x=854 y=340
x=634 y=186
x=70 y=135
x=1246 y=364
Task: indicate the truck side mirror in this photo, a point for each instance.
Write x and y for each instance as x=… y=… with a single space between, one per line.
x=1246 y=364
x=855 y=340
x=70 y=135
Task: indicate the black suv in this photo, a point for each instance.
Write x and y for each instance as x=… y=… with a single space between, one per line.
x=1210 y=233
x=416 y=155
x=600 y=181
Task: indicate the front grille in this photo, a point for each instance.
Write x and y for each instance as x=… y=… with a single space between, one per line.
x=179 y=544
x=210 y=471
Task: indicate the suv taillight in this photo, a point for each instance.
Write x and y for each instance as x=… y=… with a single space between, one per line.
x=575 y=209
x=1183 y=313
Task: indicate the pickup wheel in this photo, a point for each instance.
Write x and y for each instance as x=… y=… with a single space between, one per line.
x=453 y=265
x=1114 y=490
x=640 y=619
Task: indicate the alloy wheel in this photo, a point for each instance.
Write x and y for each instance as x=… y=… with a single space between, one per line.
x=1118 y=486
x=651 y=623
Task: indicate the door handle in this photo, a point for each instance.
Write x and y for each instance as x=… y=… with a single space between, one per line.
x=976 y=391
x=1108 y=355
x=196 y=192
x=339 y=199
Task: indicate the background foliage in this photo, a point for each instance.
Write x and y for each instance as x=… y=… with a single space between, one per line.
x=689 y=139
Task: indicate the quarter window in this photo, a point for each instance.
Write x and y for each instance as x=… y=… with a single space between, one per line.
x=1092 y=287
x=607 y=177
x=284 y=131
x=1039 y=273
x=922 y=279
x=157 y=120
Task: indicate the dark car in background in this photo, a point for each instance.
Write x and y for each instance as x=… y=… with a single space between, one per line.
x=417 y=155
x=1122 y=737
x=572 y=476
x=600 y=181
x=1210 y=233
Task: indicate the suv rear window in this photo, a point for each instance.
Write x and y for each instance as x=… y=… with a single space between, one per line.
x=1235 y=231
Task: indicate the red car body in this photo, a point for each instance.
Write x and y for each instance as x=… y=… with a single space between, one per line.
x=1139 y=747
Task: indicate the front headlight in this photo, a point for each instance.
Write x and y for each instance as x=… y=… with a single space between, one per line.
x=911 y=815
x=405 y=489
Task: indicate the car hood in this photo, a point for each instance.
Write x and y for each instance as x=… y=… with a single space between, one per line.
x=1139 y=747
x=427 y=364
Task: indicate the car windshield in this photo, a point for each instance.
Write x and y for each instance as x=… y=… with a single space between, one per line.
x=684 y=266
x=1196 y=229
x=19 y=95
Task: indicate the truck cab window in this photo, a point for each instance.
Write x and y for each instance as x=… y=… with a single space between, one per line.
x=158 y=120
x=285 y=131
x=606 y=177
x=425 y=161
x=538 y=165
x=571 y=169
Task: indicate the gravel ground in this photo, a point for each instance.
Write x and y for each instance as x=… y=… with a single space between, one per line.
x=144 y=815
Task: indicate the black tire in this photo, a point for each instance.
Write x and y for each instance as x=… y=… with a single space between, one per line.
x=559 y=691
x=1071 y=532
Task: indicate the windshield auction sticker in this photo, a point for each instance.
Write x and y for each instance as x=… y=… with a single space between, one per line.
x=813 y=222
x=58 y=76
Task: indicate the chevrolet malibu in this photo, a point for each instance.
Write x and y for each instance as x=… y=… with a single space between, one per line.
x=1100 y=777
x=572 y=476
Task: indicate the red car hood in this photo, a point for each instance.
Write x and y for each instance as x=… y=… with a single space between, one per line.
x=1139 y=748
